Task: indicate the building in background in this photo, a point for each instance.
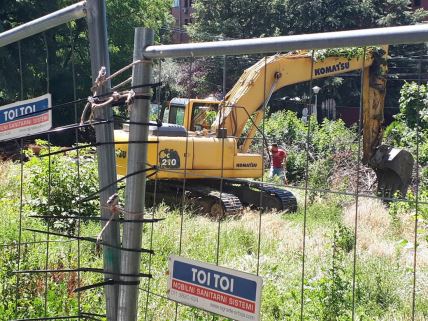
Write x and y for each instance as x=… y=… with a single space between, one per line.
x=416 y=4
x=181 y=10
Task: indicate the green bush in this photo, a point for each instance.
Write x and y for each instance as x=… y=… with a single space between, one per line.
x=413 y=107
x=413 y=111
x=344 y=238
x=319 y=173
x=404 y=133
x=325 y=141
x=57 y=182
x=286 y=128
x=332 y=136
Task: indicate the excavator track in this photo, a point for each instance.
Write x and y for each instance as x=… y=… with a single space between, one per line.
x=252 y=193
x=231 y=203
x=213 y=202
x=205 y=196
x=287 y=199
x=206 y=199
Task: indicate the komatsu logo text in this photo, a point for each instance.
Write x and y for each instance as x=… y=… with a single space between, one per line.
x=333 y=68
x=246 y=165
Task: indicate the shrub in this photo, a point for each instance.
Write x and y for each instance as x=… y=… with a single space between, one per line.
x=404 y=133
x=54 y=186
x=326 y=140
x=413 y=105
x=413 y=111
x=344 y=238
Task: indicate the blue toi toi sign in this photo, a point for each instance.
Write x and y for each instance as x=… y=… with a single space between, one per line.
x=25 y=117
x=224 y=291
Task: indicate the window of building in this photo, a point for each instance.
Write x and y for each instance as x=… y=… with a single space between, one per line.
x=417 y=3
x=186 y=21
x=176 y=3
x=186 y=3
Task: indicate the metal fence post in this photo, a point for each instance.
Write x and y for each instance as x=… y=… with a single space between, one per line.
x=49 y=21
x=135 y=185
x=97 y=27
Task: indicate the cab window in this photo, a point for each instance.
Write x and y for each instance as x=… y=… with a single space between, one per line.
x=176 y=114
x=203 y=115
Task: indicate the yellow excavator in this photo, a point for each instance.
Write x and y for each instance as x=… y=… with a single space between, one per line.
x=200 y=141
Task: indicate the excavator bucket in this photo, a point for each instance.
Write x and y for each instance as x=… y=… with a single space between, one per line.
x=393 y=167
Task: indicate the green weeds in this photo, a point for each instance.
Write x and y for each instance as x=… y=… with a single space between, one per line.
x=383 y=281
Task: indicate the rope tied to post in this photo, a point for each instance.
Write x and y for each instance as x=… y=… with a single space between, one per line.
x=112 y=204
x=101 y=79
x=130 y=98
x=126 y=97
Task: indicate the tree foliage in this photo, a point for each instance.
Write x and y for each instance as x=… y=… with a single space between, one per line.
x=410 y=128
x=55 y=51
x=217 y=19
x=234 y=19
x=243 y=19
x=332 y=15
x=124 y=16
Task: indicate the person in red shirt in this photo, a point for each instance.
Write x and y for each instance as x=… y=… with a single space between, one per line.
x=279 y=159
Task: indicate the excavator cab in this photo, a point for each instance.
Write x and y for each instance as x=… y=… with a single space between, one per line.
x=193 y=114
x=174 y=112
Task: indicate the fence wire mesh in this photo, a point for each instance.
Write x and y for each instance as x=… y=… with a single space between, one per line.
x=346 y=253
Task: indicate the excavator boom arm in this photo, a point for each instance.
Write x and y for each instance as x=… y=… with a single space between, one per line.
x=256 y=85
x=253 y=88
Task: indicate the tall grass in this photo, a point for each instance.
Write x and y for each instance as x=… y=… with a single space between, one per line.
x=383 y=273
x=383 y=283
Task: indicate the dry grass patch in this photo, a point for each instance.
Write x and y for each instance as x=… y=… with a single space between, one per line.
x=374 y=225
x=377 y=236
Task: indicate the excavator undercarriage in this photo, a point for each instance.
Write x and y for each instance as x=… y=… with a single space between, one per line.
x=220 y=198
